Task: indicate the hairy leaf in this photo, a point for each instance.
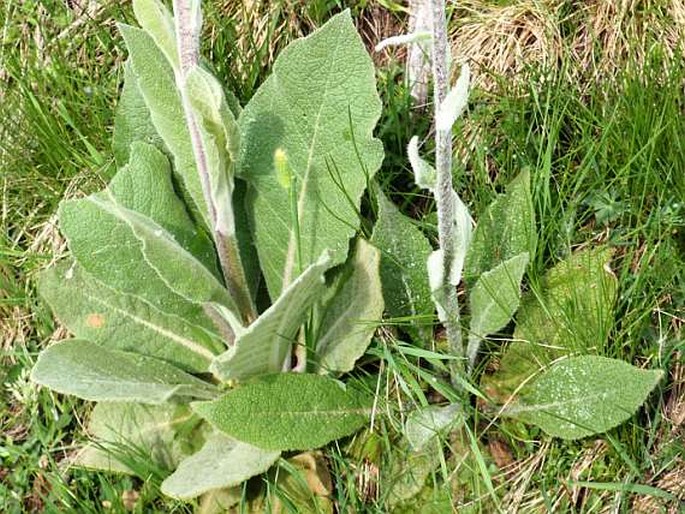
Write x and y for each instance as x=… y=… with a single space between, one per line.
x=427 y=423
x=455 y=102
x=582 y=396
x=219 y=141
x=219 y=501
x=134 y=255
x=130 y=432
x=439 y=284
x=158 y=22
x=157 y=85
x=352 y=315
x=145 y=186
x=95 y=312
x=425 y=175
x=408 y=473
x=404 y=250
x=494 y=300
x=569 y=311
x=132 y=120
x=288 y=411
x=319 y=106
x=505 y=230
x=92 y=372
x=265 y=345
x=221 y=462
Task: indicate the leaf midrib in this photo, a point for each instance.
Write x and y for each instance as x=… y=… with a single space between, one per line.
x=292 y=243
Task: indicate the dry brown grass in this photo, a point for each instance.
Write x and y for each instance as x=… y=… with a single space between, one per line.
x=504 y=40
x=586 y=40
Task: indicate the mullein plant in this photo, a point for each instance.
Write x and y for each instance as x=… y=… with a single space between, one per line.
x=215 y=205
x=567 y=389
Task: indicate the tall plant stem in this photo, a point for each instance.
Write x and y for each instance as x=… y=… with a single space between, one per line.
x=188 y=41
x=444 y=196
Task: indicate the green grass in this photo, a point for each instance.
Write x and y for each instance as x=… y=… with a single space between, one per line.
x=608 y=167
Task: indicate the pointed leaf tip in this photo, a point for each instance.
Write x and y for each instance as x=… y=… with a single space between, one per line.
x=455 y=102
x=404 y=39
x=425 y=175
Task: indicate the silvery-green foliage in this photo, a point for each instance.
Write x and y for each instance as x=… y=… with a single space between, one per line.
x=581 y=396
x=404 y=250
x=319 y=107
x=506 y=229
x=351 y=317
x=155 y=290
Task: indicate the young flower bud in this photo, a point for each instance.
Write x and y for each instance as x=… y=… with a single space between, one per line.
x=284 y=174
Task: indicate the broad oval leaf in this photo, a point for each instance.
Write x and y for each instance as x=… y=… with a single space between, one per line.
x=132 y=254
x=506 y=229
x=264 y=346
x=95 y=312
x=404 y=250
x=92 y=372
x=319 y=106
x=570 y=311
x=288 y=411
x=494 y=300
x=352 y=315
x=124 y=433
x=221 y=462
x=581 y=396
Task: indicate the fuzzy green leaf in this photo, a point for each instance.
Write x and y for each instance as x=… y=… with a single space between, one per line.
x=494 y=300
x=408 y=473
x=582 y=396
x=145 y=185
x=129 y=432
x=288 y=411
x=404 y=251
x=569 y=311
x=132 y=120
x=573 y=306
x=134 y=255
x=157 y=85
x=425 y=424
x=102 y=315
x=265 y=345
x=158 y=22
x=505 y=230
x=221 y=462
x=92 y=372
x=352 y=315
x=219 y=138
x=319 y=106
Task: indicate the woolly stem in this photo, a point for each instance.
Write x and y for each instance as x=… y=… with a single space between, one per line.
x=444 y=197
x=188 y=41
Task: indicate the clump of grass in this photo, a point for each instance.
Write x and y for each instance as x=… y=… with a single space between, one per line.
x=588 y=40
x=504 y=40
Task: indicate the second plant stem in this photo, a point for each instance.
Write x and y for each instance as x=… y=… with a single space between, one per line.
x=444 y=195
